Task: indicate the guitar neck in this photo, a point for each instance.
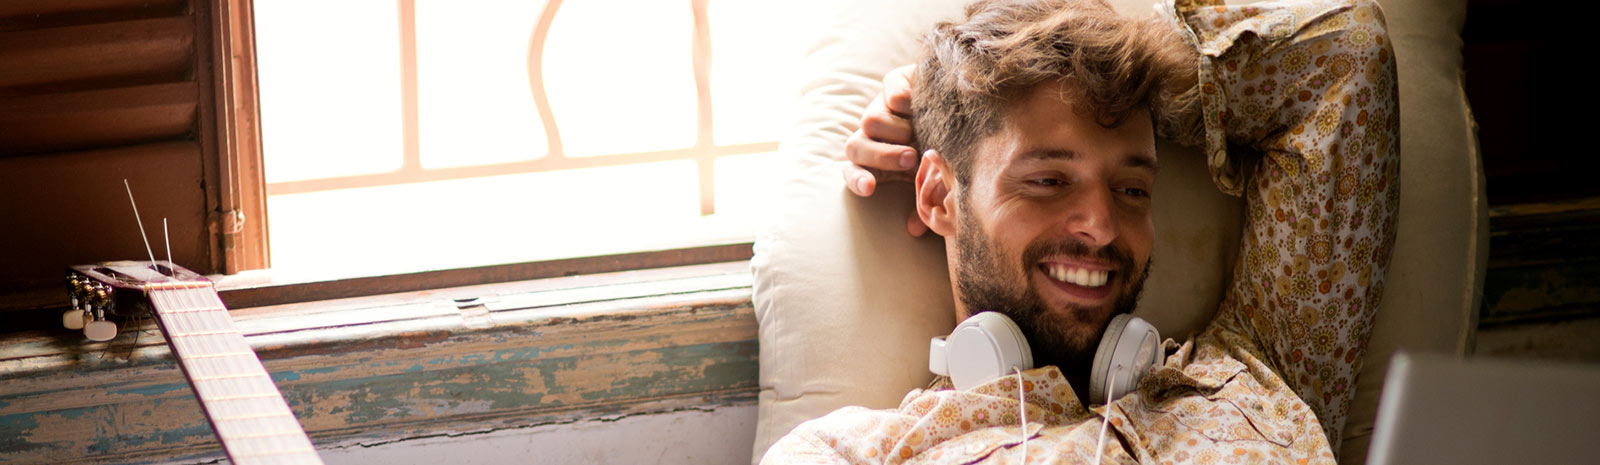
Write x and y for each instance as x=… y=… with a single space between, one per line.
x=246 y=410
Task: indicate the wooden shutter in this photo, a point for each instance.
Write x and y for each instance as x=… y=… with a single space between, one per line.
x=93 y=92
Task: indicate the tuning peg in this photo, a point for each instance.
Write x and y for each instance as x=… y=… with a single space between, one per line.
x=100 y=330
x=73 y=319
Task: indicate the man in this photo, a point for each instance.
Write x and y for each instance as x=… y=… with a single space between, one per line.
x=1038 y=117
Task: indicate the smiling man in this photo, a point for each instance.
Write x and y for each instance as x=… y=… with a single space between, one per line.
x=1050 y=212
x=1037 y=122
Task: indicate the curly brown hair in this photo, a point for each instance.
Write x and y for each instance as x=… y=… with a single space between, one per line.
x=974 y=69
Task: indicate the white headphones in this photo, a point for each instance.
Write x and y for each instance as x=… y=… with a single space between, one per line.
x=989 y=345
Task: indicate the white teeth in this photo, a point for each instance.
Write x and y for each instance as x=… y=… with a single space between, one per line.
x=1079 y=276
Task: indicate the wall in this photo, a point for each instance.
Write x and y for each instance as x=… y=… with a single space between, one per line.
x=716 y=436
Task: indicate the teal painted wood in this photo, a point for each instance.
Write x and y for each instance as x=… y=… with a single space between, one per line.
x=389 y=380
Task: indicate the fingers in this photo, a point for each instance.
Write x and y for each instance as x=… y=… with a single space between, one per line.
x=881 y=124
x=859 y=180
x=897 y=87
x=863 y=181
x=864 y=151
x=880 y=151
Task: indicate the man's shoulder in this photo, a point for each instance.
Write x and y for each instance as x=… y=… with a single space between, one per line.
x=818 y=440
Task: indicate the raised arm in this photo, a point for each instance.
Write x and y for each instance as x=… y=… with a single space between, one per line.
x=1302 y=119
x=880 y=151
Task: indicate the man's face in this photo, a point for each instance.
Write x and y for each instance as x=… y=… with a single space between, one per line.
x=1054 y=229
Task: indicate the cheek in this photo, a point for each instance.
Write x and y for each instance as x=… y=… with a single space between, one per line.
x=1139 y=230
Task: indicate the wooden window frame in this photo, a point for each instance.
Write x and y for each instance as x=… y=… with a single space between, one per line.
x=239 y=229
x=239 y=204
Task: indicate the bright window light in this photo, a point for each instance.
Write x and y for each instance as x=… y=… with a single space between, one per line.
x=468 y=175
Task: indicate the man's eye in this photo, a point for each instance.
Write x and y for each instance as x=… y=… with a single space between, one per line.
x=1134 y=192
x=1048 y=182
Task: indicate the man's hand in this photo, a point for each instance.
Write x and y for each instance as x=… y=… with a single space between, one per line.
x=881 y=150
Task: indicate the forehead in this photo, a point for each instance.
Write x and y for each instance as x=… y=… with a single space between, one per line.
x=1045 y=122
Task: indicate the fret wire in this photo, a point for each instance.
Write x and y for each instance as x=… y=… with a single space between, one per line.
x=163 y=301
x=266 y=434
x=202 y=344
x=278 y=443
x=206 y=299
x=192 y=310
x=187 y=297
x=212 y=366
x=212 y=332
x=259 y=395
x=219 y=355
x=196 y=320
x=227 y=377
x=183 y=322
x=255 y=416
x=241 y=404
x=225 y=387
x=234 y=407
x=193 y=323
x=174 y=323
x=252 y=414
x=296 y=450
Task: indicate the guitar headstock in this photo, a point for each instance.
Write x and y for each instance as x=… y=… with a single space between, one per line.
x=115 y=288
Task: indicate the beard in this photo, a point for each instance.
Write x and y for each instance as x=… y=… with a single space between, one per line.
x=1066 y=338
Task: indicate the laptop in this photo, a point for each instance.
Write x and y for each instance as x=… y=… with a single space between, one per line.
x=1448 y=410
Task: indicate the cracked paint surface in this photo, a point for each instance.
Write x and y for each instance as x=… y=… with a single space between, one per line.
x=380 y=382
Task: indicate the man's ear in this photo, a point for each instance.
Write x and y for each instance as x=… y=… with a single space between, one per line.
x=935 y=204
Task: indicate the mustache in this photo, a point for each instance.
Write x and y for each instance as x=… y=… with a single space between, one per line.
x=1037 y=251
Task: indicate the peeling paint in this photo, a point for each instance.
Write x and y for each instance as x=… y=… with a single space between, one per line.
x=400 y=379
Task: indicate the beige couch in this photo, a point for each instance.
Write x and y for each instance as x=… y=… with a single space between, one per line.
x=847 y=300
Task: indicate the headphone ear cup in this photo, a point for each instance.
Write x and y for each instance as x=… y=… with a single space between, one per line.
x=1129 y=348
x=985 y=346
x=1102 y=358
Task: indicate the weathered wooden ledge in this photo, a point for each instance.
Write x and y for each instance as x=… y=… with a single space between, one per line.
x=377 y=369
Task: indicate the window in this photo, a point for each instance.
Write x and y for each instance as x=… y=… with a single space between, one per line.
x=420 y=135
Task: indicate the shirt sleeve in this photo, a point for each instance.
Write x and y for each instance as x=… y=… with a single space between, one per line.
x=1301 y=118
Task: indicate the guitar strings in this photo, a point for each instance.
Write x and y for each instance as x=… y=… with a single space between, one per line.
x=170 y=271
x=138 y=332
x=137 y=220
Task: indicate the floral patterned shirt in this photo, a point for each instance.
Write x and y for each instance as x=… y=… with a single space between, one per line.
x=1301 y=118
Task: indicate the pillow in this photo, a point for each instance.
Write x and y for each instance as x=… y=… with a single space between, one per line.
x=847 y=301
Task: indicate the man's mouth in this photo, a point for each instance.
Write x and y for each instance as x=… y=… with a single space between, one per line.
x=1079 y=284
x=1077 y=276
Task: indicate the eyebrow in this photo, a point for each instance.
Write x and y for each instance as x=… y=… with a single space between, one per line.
x=1134 y=159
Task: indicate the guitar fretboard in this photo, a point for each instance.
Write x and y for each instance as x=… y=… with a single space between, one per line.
x=246 y=410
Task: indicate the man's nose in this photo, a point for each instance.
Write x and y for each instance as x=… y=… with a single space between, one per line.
x=1090 y=220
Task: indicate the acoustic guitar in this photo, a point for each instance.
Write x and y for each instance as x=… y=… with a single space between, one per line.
x=248 y=414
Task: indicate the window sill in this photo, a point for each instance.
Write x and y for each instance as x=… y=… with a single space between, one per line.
x=453 y=360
